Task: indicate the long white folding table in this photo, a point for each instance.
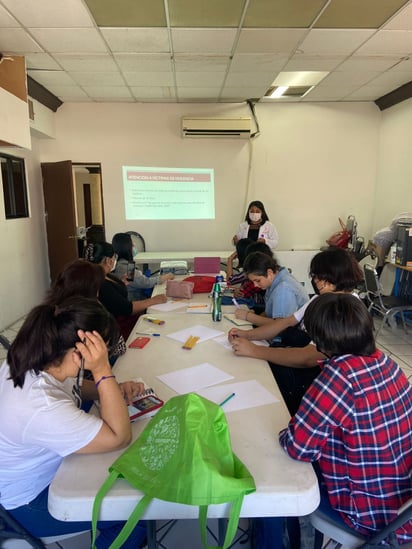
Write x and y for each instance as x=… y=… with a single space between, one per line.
x=284 y=487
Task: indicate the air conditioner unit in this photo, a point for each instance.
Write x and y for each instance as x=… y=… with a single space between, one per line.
x=216 y=127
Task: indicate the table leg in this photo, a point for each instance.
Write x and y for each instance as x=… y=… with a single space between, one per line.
x=151 y=534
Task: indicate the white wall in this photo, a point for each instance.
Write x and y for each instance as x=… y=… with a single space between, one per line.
x=311 y=164
x=394 y=182
x=24 y=265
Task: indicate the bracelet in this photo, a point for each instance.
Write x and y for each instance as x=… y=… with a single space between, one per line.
x=102 y=379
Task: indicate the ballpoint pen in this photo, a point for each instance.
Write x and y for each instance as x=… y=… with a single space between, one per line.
x=227 y=399
x=147 y=334
x=235 y=303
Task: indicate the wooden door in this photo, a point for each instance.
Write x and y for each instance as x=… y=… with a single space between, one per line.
x=60 y=214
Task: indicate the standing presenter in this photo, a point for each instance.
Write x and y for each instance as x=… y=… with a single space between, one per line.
x=257 y=226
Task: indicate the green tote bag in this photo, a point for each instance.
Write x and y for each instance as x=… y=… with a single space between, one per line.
x=183 y=455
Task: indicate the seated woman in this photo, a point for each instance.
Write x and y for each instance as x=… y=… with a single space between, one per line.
x=354 y=421
x=113 y=292
x=40 y=419
x=284 y=295
x=123 y=247
x=294 y=364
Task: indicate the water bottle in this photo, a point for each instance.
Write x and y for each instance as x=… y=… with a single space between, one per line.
x=216 y=303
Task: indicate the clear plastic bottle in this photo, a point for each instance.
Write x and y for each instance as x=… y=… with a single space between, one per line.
x=216 y=303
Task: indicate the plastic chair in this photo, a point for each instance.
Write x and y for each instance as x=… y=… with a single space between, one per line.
x=350 y=539
x=386 y=305
x=11 y=529
x=139 y=244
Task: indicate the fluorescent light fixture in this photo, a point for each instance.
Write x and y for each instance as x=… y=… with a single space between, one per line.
x=278 y=92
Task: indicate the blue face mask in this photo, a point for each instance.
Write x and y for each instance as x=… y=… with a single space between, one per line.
x=134 y=251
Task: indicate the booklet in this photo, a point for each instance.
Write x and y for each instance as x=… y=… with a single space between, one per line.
x=145 y=405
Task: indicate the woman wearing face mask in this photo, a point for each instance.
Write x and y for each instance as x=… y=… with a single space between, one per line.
x=123 y=247
x=293 y=360
x=113 y=291
x=257 y=226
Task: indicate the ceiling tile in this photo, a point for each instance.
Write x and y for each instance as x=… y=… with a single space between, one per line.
x=258 y=62
x=213 y=13
x=6 y=20
x=151 y=78
x=238 y=79
x=388 y=42
x=393 y=79
x=41 y=61
x=269 y=40
x=196 y=79
x=244 y=93
x=198 y=93
x=62 y=40
x=330 y=93
x=401 y=21
x=153 y=92
x=282 y=13
x=302 y=62
x=51 y=78
x=44 y=13
x=17 y=41
x=207 y=63
x=369 y=63
x=144 y=61
x=103 y=92
x=333 y=41
x=203 y=40
x=128 y=13
x=367 y=14
x=142 y=40
x=97 y=78
x=70 y=93
x=404 y=65
x=358 y=78
x=365 y=93
x=86 y=62
x=306 y=78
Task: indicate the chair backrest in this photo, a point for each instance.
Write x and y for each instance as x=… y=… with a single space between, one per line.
x=371 y=281
x=138 y=241
x=387 y=279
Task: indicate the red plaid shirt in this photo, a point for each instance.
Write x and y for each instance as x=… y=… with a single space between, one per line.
x=356 y=421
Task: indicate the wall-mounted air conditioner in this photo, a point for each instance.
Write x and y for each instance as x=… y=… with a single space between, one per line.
x=199 y=126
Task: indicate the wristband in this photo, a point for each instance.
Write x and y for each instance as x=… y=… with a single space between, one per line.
x=102 y=379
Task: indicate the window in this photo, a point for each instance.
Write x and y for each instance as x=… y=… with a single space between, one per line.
x=13 y=174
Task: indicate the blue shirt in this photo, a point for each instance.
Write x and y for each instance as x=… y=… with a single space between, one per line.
x=285 y=296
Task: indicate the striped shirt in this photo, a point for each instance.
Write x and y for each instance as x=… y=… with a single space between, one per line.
x=356 y=421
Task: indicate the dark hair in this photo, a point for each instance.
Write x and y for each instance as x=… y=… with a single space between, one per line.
x=257 y=204
x=80 y=277
x=259 y=247
x=123 y=246
x=50 y=331
x=340 y=324
x=258 y=263
x=241 y=247
x=98 y=251
x=338 y=267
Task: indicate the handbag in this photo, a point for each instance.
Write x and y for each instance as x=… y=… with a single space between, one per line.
x=203 y=284
x=341 y=238
x=179 y=288
x=183 y=455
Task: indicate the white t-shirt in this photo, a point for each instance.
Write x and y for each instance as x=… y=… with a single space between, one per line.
x=39 y=425
x=300 y=313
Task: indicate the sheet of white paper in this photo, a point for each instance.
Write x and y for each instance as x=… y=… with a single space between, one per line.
x=169 y=305
x=248 y=394
x=202 y=332
x=198 y=308
x=191 y=379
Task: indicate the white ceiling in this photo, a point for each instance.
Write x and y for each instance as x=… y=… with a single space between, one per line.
x=228 y=51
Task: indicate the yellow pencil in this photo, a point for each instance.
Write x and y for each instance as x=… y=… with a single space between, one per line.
x=190 y=342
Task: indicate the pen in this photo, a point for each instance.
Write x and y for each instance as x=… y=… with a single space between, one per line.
x=154 y=320
x=81 y=371
x=235 y=303
x=147 y=334
x=198 y=306
x=227 y=399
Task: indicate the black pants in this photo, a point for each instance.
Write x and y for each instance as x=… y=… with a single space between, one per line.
x=293 y=382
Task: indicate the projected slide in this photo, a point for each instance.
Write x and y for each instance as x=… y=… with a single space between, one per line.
x=168 y=193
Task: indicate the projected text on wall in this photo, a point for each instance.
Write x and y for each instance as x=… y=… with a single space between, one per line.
x=168 y=193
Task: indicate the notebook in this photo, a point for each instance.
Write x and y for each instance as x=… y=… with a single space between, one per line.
x=206 y=265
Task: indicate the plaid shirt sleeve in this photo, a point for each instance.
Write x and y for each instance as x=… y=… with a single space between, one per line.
x=356 y=420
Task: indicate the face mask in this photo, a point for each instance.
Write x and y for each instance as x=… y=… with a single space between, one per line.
x=114 y=265
x=255 y=217
x=134 y=251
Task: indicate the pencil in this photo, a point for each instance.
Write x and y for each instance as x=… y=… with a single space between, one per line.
x=227 y=399
x=190 y=342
